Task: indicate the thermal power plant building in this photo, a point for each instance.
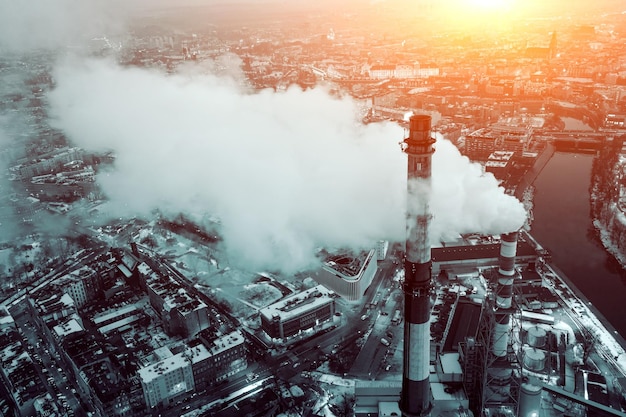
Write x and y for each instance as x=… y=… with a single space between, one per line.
x=492 y=370
x=349 y=275
x=298 y=312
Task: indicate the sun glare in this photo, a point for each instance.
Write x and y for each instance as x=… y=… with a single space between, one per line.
x=479 y=15
x=490 y=4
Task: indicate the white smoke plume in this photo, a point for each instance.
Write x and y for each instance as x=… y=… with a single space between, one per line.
x=465 y=200
x=284 y=172
x=38 y=25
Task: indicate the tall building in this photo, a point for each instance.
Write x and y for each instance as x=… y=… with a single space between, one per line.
x=552 y=47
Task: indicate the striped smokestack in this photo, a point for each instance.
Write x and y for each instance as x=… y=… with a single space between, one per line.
x=504 y=292
x=415 y=395
x=500 y=371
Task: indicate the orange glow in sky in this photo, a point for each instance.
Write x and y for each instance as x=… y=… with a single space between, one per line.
x=490 y=4
x=473 y=15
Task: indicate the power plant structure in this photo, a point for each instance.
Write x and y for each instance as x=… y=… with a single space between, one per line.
x=497 y=381
x=496 y=347
x=415 y=397
x=499 y=329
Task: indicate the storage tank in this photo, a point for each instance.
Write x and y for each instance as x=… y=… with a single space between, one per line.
x=536 y=336
x=534 y=359
x=529 y=400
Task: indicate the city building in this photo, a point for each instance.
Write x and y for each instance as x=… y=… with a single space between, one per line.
x=381 y=249
x=181 y=312
x=80 y=284
x=166 y=377
x=298 y=312
x=218 y=359
x=499 y=137
x=499 y=164
x=402 y=71
x=348 y=275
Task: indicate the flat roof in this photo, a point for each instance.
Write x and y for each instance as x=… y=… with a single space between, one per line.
x=481 y=251
x=296 y=304
x=119 y=323
x=225 y=342
x=450 y=363
x=67 y=328
x=348 y=266
x=5 y=316
x=111 y=314
x=154 y=371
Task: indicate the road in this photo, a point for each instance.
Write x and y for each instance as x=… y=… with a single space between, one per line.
x=50 y=369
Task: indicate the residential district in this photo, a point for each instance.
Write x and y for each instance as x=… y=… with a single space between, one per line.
x=142 y=317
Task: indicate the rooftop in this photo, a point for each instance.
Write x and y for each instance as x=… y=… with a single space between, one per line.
x=225 y=342
x=347 y=264
x=297 y=303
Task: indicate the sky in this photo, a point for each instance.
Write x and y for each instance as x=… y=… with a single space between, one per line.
x=285 y=173
x=50 y=24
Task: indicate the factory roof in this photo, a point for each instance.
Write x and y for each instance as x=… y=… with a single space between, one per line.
x=464 y=324
x=296 y=304
x=486 y=251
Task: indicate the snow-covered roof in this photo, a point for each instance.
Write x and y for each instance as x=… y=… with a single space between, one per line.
x=226 y=342
x=5 y=317
x=67 y=328
x=119 y=323
x=111 y=314
x=297 y=304
x=155 y=370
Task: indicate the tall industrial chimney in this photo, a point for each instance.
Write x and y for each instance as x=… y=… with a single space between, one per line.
x=415 y=395
x=504 y=292
x=500 y=370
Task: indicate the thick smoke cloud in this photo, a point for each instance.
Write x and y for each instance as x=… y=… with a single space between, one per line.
x=465 y=200
x=284 y=172
x=36 y=25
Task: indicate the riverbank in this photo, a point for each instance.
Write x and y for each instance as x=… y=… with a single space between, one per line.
x=618 y=353
x=601 y=323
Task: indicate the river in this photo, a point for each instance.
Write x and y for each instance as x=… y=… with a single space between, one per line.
x=562 y=224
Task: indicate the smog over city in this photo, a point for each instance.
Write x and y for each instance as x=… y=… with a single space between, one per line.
x=317 y=198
